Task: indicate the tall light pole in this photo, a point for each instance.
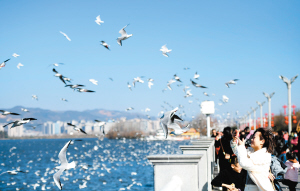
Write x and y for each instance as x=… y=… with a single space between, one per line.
x=289 y=86
x=261 y=112
x=254 y=116
x=269 y=102
x=249 y=114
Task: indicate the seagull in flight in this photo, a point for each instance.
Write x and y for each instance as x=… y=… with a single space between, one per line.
x=25 y=110
x=129 y=86
x=205 y=94
x=64 y=165
x=61 y=77
x=165 y=50
x=98 y=20
x=179 y=131
x=129 y=108
x=94 y=81
x=169 y=84
x=123 y=36
x=231 y=82
x=15 y=55
x=84 y=90
x=196 y=76
x=225 y=99
x=177 y=78
x=12 y=172
x=74 y=86
x=188 y=94
x=35 y=97
x=168 y=121
x=137 y=79
x=77 y=128
x=19 y=65
x=19 y=122
x=56 y=64
x=8 y=113
x=150 y=80
x=65 y=35
x=34 y=126
x=186 y=68
x=197 y=85
x=3 y=63
x=103 y=43
x=63 y=99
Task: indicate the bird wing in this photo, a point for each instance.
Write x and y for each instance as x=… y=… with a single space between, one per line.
x=123 y=32
x=90 y=91
x=194 y=83
x=119 y=41
x=175 y=117
x=82 y=131
x=30 y=119
x=56 y=178
x=62 y=79
x=226 y=84
x=14 y=114
x=165 y=129
x=165 y=54
x=8 y=124
x=62 y=154
x=70 y=124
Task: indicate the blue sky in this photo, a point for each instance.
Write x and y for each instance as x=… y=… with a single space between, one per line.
x=254 y=42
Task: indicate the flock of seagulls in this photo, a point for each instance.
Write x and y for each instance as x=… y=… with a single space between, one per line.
x=167 y=121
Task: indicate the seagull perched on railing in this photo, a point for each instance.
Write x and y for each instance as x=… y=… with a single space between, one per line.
x=19 y=122
x=98 y=20
x=165 y=50
x=231 y=82
x=8 y=113
x=168 y=121
x=64 y=165
x=124 y=35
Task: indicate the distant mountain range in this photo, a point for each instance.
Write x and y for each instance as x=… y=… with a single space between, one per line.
x=44 y=115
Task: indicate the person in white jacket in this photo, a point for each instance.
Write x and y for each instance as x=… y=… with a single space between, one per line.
x=256 y=159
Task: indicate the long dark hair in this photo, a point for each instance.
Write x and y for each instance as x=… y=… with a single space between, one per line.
x=267 y=135
x=227 y=133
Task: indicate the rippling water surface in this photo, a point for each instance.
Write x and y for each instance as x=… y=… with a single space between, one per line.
x=112 y=164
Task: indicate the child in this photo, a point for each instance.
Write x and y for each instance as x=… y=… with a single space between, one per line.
x=232 y=179
x=291 y=176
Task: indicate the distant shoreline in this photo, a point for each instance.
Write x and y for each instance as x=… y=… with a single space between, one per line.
x=48 y=137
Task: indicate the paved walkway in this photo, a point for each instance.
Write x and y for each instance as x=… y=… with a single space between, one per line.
x=284 y=187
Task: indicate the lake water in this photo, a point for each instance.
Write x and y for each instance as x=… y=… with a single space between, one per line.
x=112 y=164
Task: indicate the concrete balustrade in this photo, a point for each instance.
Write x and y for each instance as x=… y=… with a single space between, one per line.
x=184 y=167
x=190 y=171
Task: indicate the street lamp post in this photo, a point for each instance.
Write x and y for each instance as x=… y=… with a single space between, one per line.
x=269 y=102
x=261 y=112
x=254 y=116
x=289 y=86
x=249 y=114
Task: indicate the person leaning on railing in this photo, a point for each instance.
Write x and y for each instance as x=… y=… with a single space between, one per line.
x=256 y=159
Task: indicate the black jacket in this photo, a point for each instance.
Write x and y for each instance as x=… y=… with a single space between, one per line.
x=229 y=176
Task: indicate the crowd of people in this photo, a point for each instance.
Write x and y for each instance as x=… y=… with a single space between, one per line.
x=256 y=160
